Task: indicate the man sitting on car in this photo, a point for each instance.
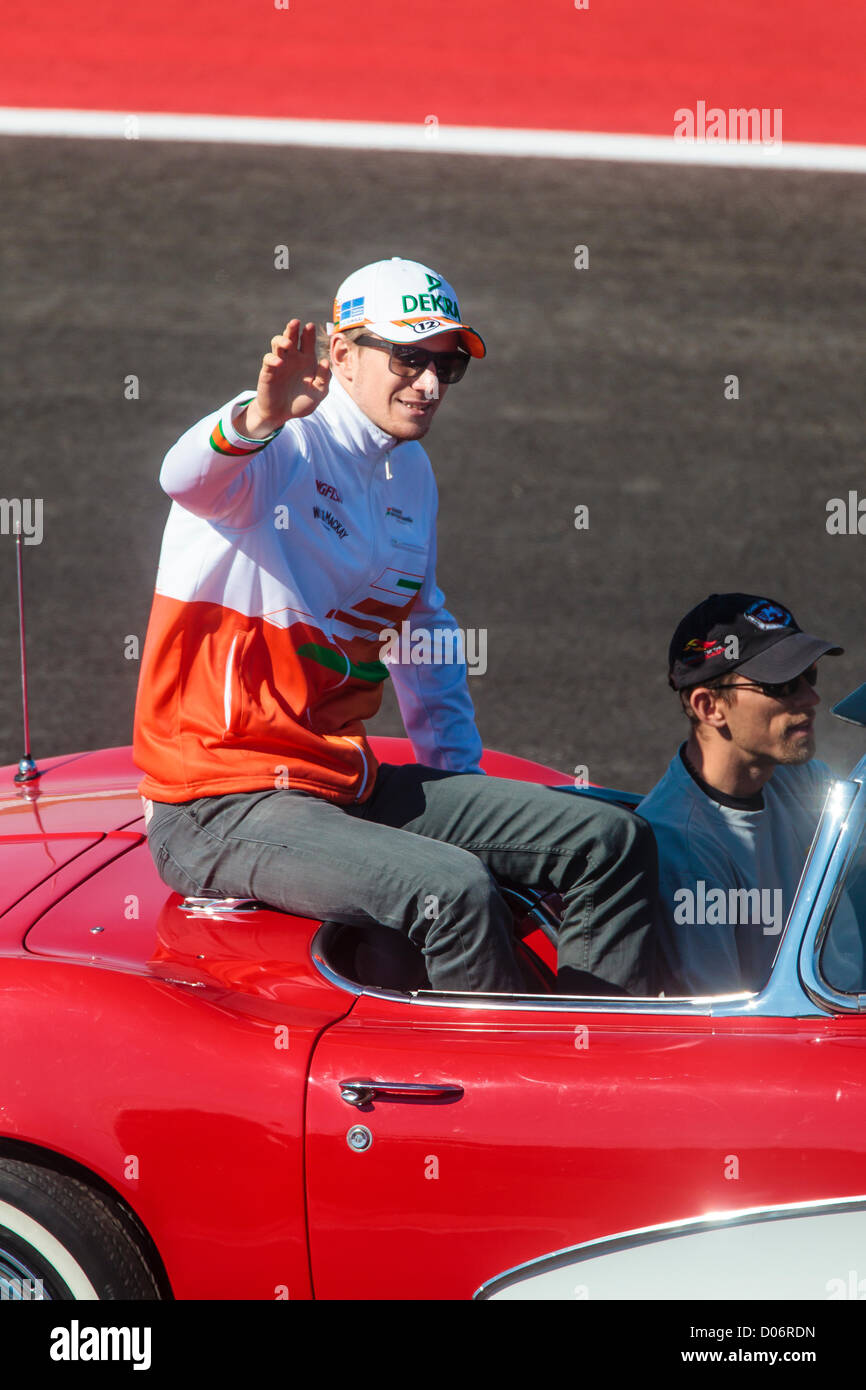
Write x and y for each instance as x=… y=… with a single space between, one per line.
x=303 y=528
x=736 y=811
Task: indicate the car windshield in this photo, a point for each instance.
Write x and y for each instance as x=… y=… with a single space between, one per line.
x=843 y=960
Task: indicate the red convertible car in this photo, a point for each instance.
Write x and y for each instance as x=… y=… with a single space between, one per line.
x=208 y=1099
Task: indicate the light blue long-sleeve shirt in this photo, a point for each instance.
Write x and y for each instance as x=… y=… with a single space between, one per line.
x=728 y=875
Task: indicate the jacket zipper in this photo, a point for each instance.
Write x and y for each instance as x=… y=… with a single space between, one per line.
x=228 y=684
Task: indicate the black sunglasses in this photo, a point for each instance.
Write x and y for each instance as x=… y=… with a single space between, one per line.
x=410 y=359
x=780 y=690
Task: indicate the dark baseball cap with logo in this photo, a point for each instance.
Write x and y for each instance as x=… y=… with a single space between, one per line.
x=755 y=636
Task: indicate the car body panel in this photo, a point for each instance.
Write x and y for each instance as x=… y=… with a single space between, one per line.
x=608 y=1122
x=91 y=854
x=31 y=859
x=181 y=1102
x=757 y=1252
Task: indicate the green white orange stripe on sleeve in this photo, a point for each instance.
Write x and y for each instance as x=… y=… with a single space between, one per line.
x=225 y=439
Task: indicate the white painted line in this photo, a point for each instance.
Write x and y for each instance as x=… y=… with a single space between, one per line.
x=438 y=139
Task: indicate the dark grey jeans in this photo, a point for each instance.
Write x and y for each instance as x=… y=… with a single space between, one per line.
x=422 y=855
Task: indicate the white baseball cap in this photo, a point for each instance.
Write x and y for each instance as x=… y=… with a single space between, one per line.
x=402 y=301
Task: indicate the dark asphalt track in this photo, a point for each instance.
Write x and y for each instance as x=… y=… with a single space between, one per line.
x=603 y=387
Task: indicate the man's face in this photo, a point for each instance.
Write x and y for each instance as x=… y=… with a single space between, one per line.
x=772 y=729
x=401 y=406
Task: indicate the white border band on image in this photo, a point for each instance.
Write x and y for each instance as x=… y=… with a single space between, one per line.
x=373 y=135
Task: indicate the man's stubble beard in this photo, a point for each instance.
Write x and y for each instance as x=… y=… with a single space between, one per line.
x=797 y=752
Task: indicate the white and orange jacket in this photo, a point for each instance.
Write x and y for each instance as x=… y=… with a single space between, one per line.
x=281 y=565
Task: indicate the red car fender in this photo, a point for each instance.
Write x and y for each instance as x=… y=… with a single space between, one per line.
x=193 y=1114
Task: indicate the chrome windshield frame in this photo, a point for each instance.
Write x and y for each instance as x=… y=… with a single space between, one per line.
x=849 y=841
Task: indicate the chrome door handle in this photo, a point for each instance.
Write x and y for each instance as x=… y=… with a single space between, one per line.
x=358 y=1092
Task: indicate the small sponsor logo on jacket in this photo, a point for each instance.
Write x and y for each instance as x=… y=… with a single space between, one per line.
x=328 y=490
x=327 y=518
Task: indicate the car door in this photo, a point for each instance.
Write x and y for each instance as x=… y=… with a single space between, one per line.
x=542 y=1124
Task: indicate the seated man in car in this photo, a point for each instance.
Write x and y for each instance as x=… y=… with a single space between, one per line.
x=302 y=530
x=736 y=811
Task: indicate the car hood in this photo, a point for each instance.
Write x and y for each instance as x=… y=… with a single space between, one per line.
x=78 y=884
x=79 y=803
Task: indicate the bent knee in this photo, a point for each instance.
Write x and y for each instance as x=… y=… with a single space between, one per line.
x=467 y=889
